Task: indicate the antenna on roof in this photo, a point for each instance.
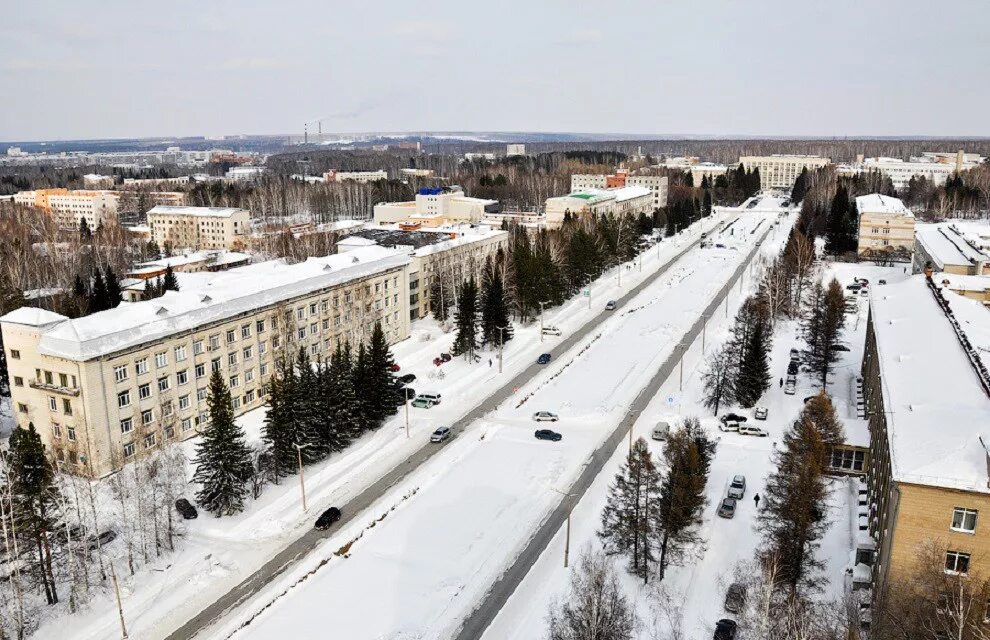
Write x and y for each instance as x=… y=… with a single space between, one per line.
x=206 y=299
x=162 y=311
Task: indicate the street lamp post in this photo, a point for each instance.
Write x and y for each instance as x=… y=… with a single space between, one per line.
x=302 y=477
x=406 y=394
x=541 y=303
x=501 y=343
x=567 y=537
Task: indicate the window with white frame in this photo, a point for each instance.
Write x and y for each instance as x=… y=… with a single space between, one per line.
x=161 y=359
x=182 y=377
x=149 y=440
x=120 y=373
x=200 y=369
x=231 y=335
x=184 y=402
x=147 y=416
x=186 y=424
x=126 y=425
x=123 y=399
x=163 y=383
x=248 y=353
x=259 y=326
x=197 y=347
x=201 y=394
x=246 y=330
x=232 y=358
x=180 y=353
x=52 y=403
x=128 y=449
x=957 y=562
x=964 y=520
x=141 y=366
x=234 y=381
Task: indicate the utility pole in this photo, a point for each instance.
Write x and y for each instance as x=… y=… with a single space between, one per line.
x=120 y=608
x=302 y=477
x=704 y=326
x=501 y=343
x=680 y=383
x=567 y=538
x=541 y=321
x=407 y=413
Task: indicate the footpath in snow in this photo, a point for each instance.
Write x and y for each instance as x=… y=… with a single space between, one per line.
x=469 y=510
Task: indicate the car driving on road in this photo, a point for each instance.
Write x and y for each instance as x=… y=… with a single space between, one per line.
x=547 y=434
x=328 y=518
x=544 y=358
x=423 y=403
x=441 y=434
x=545 y=416
x=610 y=305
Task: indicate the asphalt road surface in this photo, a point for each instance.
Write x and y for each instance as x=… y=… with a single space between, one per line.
x=301 y=546
x=478 y=621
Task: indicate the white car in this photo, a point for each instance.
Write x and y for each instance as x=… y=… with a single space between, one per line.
x=729 y=425
x=747 y=430
x=761 y=413
x=545 y=416
x=551 y=330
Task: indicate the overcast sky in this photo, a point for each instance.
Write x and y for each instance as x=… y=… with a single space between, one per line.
x=127 y=68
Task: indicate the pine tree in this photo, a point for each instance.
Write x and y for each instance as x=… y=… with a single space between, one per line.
x=821 y=413
x=687 y=456
x=838 y=224
x=382 y=386
x=34 y=499
x=276 y=433
x=223 y=459
x=800 y=187
x=466 y=320
x=113 y=287
x=305 y=399
x=170 y=283
x=494 y=309
x=823 y=323
x=346 y=406
x=706 y=208
x=364 y=412
x=99 y=299
x=753 y=332
x=84 y=231
x=632 y=509
x=795 y=497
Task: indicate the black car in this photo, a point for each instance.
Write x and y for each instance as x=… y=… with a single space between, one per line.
x=733 y=417
x=446 y=357
x=102 y=540
x=792 y=368
x=406 y=379
x=840 y=347
x=328 y=518
x=547 y=434
x=725 y=629
x=185 y=509
x=544 y=358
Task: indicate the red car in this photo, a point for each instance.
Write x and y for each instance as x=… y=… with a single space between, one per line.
x=438 y=361
x=394 y=368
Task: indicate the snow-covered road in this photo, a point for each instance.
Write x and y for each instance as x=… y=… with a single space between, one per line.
x=418 y=573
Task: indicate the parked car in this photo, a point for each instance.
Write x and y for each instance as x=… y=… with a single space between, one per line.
x=881 y=282
x=730 y=425
x=406 y=379
x=747 y=430
x=795 y=354
x=840 y=347
x=422 y=403
x=441 y=434
x=661 y=431
x=862 y=280
x=395 y=367
x=761 y=413
x=727 y=508
x=186 y=509
x=852 y=287
x=737 y=488
x=438 y=361
x=101 y=540
x=733 y=417
x=725 y=629
x=432 y=397
x=446 y=357
x=551 y=330
x=328 y=518
x=610 y=305
x=789 y=388
x=792 y=368
x=544 y=358
x=735 y=597
x=545 y=416
x=547 y=434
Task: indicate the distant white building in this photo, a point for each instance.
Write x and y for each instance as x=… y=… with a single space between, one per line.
x=934 y=166
x=779 y=171
x=435 y=206
x=356 y=176
x=97 y=181
x=515 y=150
x=244 y=173
x=620 y=201
x=199 y=227
x=623 y=178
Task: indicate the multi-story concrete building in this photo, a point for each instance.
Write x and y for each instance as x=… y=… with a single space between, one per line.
x=244 y=173
x=436 y=206
x=934 y=166
x=95 y=207
x=926 y=394
x=960 y=247
x=886 y=228
x=779 y=171
x=699 y=170
x=356 y=176
x=515 y=150
x=451 y=254
x=199 y=227
x=621 y=201
x=623 y=178
x=97 y=181
x=104 y=388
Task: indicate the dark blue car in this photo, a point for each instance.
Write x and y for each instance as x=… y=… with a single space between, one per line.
x=543 y=359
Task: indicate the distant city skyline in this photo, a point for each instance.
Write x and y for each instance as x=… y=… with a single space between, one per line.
x=775 y=69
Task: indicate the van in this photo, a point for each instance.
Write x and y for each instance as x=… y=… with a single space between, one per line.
x=432 y=397
x=661 y=431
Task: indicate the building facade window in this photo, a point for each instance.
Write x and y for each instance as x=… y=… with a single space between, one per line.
x=147 y=416
x=956 y=562
x=128 y=449
x=163 y=384
x=126 y=425
x=141 y=366
x=123 y=399
x=180 y=353
x=964 y=520
x=120 y=373
x=161 y=359
x=182 y=377
x=144 y=391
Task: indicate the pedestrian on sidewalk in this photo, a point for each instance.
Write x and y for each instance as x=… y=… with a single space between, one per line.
x=489 y=363
x=781 y=382
x=756 y=499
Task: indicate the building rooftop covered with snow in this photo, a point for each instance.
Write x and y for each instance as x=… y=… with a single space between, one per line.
x=959 y=247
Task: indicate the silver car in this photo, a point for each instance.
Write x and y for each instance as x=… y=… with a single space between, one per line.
x=727 y=508
x=737 y=489
x=545 y=416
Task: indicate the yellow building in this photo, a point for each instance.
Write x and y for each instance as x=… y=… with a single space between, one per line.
x=886 y=228
x=779 y=171
x=103 y=387
x=199 y=228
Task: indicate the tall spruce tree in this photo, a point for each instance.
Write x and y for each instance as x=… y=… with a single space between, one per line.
x=494 y=308
x=112 y=283
x=824 y=320
x=466 y=320
x=632 y=509
x=364 y=411
x=170 y=282
x=223 y=459
x=34 y=499
x=346 y=407
x=752 y=335
x=382 y=385
x=99 y=298
x=800 y=187
x=305 y=398
x=687 y=456
x=276 y=432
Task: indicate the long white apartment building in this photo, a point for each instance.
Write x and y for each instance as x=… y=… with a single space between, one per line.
x=199 y=228
x=623 y=178
x=436 y=206
x=779 y=171
x=356 y=176
x=103 y=389
x=934 y=166
x=699 y=170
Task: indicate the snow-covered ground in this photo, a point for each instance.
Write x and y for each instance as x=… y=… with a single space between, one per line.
x=216 y=554
x=473 y=507
x=698 y=587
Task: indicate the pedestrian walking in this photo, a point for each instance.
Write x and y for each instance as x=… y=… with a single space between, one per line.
x=781 y=382
x=489 y=363
x=756 y=499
